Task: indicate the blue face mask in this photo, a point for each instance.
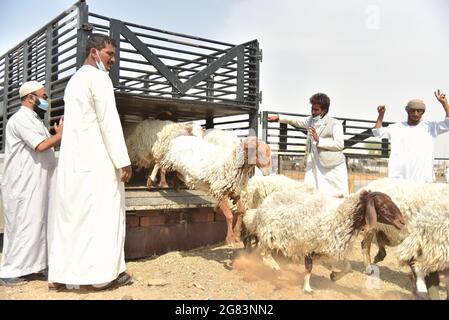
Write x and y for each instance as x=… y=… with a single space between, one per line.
x=100 y=64
x=316 y=118
x=43 y=104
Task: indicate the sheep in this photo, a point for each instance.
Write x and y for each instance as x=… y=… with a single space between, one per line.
x=147 y=139
x=220 y=166
x=414 y=199
x=411 y=197
x=426 y=248
x=311 y=226
x=257 y=189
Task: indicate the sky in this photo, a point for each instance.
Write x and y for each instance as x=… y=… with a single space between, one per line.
x=362 y=53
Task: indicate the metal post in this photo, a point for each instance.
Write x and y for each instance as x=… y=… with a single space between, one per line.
x=210 y=84
x=384 y=147
x=25 y=62
x=240 y=75
x=254 y=121
x=115 y=27
x=83 y=33
x=5 y=100
x=264 y=126
x=283 y=136
x=175 y=92
x=48 y=70
x=209 y=123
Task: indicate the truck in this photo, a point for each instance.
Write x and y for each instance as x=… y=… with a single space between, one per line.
x=209 y=81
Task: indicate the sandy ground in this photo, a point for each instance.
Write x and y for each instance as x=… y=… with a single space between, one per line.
x=224 y=272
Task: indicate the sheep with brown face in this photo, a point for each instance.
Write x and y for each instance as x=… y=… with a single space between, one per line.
x=319 y=226
x=426 y=210
x=219 y=164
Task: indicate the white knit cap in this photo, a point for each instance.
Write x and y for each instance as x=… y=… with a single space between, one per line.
x=29 y=87
x=417 y=104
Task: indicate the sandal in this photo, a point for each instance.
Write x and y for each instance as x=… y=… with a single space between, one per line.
x=57 y=287
x=123 y=279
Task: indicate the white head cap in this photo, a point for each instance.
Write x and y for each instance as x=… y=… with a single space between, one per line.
x=29 y=87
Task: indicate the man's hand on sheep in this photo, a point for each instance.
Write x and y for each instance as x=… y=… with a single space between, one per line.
x=127 y=173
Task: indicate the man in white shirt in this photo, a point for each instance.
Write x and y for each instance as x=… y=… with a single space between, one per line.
x=89 y=203
x=325 y=162
x=27 y=178
x=412 y=141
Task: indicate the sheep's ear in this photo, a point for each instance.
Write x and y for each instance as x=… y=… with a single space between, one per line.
x=370 y=212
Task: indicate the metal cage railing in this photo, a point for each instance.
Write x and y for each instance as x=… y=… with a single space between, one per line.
x=150 y=62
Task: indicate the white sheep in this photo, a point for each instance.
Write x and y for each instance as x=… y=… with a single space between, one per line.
x=147 y=139
x=219 y=165
x=257 y=189
x=311 y=226
x=426 y=247
x=416 y=201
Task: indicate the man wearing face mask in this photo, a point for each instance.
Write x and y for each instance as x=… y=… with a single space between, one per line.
x=325 y=162
x=27 y=177
x=89 y=208
x=412 y=141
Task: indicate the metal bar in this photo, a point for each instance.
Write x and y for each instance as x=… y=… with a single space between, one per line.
x=5 y=103
x=56 y=82
x=67 y=50
x=64 y=33
x=57 y=63
x=48 y=68
x=202 y=98
x=114 y=33
x=200 y=55
x=82 y=33
x=100 y=26
x=179 y=34
x=25 y=62
x=64 y=69
x=96 y=15
x=240 y=75
x=71 y=38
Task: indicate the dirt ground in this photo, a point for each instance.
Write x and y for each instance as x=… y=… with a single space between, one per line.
x=224 y=272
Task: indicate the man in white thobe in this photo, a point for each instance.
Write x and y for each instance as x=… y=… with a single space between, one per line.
x=89 y=208
x=412 y=141
x=27 y=177
x=325 y=162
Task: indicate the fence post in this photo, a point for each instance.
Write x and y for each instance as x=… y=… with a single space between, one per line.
x=385 y=147
x=209 y=122
x=283 y=136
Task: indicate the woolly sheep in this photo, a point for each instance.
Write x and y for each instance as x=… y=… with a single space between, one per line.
x=257 y=189
x=220 y=168
x=426 y=247
x=147 y=139
x=416 y=201
x=311 y=226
